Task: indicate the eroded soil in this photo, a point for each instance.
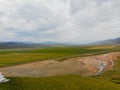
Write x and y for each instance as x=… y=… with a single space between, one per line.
x=91 y=65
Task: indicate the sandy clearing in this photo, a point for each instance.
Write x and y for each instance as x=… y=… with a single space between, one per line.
x=91 y=65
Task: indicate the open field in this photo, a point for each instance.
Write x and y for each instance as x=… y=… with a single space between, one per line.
x=19 y=56
x=109 y=80
x=59 y=83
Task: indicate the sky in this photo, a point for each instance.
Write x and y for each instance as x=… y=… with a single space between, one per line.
x=65 y=21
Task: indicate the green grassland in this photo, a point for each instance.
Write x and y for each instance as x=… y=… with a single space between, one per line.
x=107 y=81
x=59 y=83
x=19 y=56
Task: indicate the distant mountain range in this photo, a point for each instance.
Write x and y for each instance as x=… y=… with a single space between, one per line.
x=17 y=45
x=115 y=41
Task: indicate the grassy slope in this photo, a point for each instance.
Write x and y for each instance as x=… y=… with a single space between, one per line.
x=58 y=83
x=11 y=57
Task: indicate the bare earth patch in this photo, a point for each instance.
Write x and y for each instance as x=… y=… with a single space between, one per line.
x=91 y=65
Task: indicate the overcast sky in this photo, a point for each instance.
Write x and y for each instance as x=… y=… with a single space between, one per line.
x=68 y=21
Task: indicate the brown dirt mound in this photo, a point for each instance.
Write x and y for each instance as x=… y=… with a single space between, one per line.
x=91 y=65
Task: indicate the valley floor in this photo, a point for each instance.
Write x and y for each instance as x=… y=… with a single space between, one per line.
x=99 y=71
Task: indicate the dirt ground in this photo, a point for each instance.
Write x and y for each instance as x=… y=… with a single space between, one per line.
x=75 y=66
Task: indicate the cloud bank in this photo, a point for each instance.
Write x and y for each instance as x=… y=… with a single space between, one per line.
x=68 y=21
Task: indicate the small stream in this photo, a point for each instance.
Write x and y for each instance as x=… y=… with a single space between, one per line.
x=102 y=65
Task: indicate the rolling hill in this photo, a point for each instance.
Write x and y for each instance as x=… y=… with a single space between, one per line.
x=115 y=42
x=17 y=45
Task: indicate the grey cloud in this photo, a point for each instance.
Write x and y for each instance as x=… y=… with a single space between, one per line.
x=70 y=21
